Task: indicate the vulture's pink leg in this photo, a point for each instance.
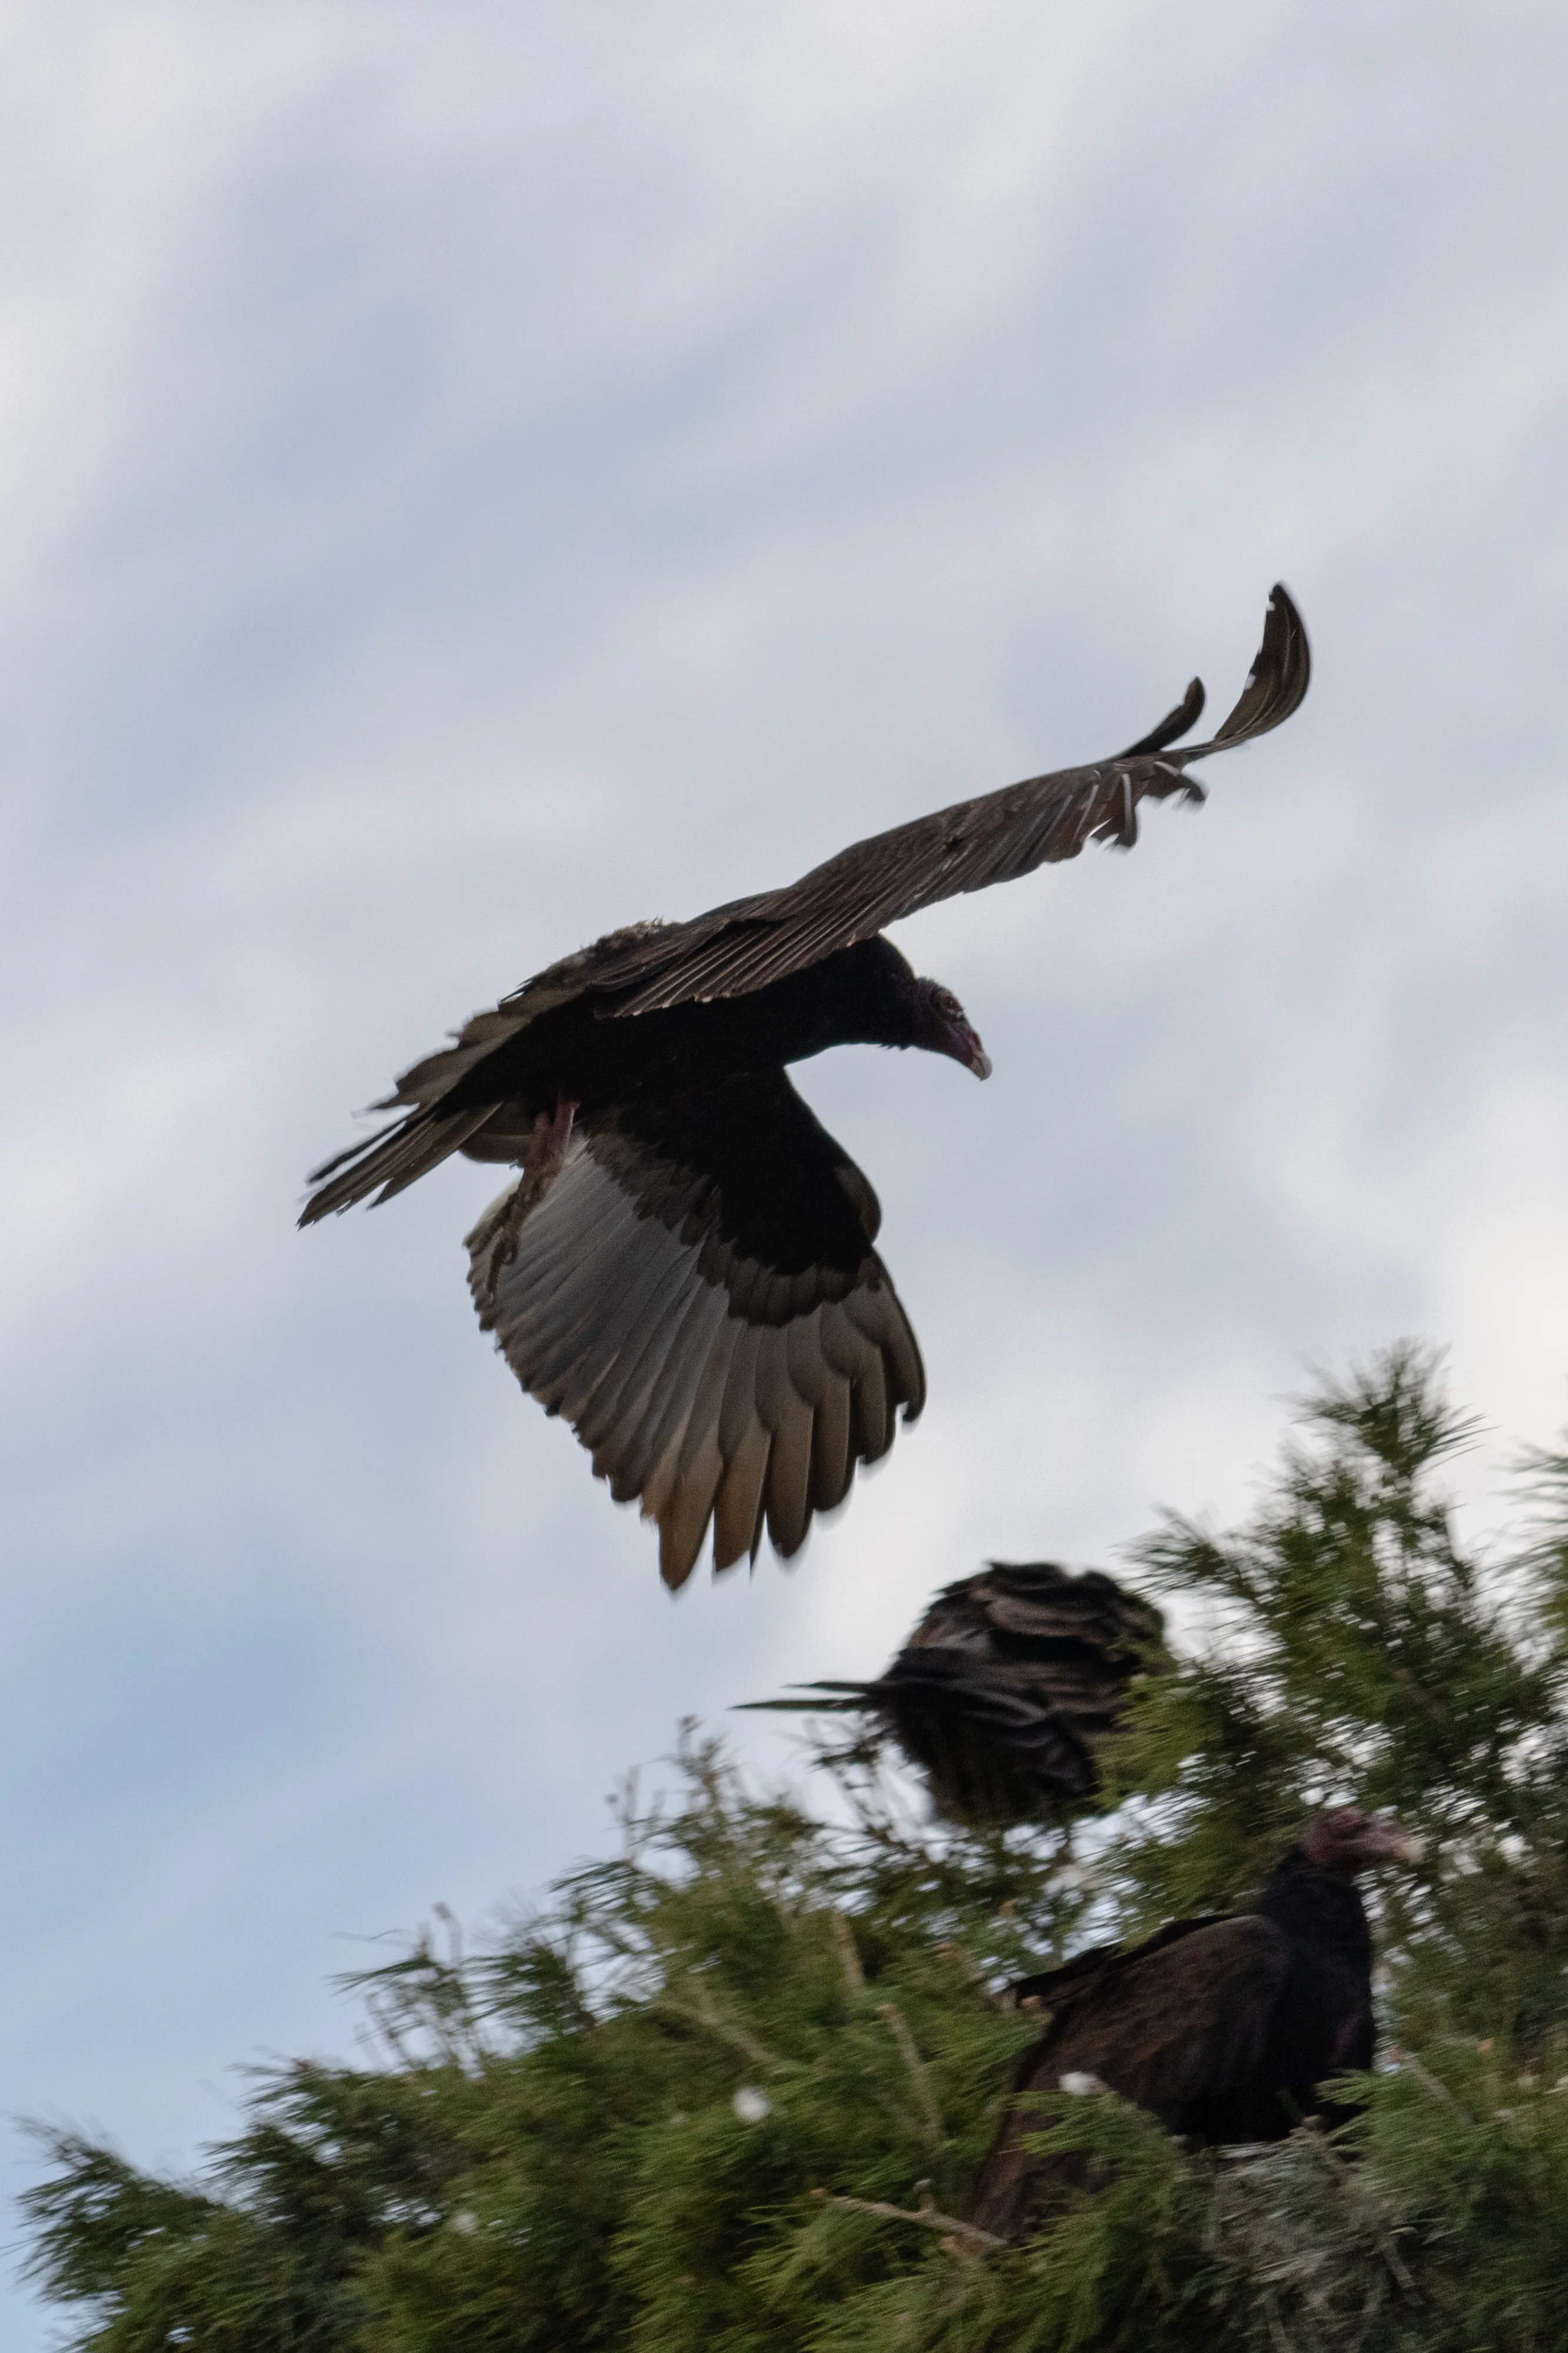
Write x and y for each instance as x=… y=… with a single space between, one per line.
x=542 y=1160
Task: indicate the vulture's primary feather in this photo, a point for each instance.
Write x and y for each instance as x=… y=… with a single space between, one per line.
x=1222 y=2027
x=1006 y=1692
x=685 y=1268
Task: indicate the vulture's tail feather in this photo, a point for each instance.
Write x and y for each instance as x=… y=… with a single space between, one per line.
x=385 y=1163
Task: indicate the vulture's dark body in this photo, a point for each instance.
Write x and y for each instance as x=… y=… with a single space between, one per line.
x=1321 y=2023
x=1223 y=2027
x=1008 y=1688
x=582 y=1051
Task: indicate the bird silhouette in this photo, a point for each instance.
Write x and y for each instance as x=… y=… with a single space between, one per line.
x=1222 y=2027
x=1008 y=1690
x=685 y=1268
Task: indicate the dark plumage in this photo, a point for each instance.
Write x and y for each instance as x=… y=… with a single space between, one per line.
x=1222 y=2027
x=686 y=1267
x=1008 y=1688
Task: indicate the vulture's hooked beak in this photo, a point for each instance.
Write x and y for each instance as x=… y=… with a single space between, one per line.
x=943 y=1027
x=959 y=1041
x=962 y=1043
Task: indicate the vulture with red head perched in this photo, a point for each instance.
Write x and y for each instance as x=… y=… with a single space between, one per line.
x=685 y=1268
x=1222 y=2027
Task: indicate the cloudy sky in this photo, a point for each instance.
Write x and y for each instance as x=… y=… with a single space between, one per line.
x=477 y=474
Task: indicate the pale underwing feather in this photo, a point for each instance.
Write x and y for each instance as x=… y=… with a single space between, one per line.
x=736 y=1505
x=717 y=1390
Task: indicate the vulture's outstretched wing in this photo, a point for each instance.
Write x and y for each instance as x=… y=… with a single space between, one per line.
x=1182 y=2019
x=697 y=1293
x=995 y=838
x=736 y=948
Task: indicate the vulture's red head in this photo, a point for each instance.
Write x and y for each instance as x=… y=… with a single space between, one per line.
x=943 y=1027
x=1345 y=1840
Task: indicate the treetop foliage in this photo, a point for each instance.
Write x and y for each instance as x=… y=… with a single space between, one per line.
x=727 y=2089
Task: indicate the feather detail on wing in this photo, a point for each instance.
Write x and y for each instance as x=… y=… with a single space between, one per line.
x=696 y=1294
x=1178 y=2019
x=995 y=838
x=732 y=950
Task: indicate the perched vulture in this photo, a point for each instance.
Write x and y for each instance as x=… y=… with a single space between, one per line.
x=1222 y=2027
x=1007 y=1688
x=686 y=1267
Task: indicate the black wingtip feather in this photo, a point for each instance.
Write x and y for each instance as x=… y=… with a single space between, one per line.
x=1280 y=677
x=1187 y=713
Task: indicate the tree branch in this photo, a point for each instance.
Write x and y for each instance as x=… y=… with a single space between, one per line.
x=704 y=2012
x=928 y=2218
x=936 y=2132
x=844 y=1937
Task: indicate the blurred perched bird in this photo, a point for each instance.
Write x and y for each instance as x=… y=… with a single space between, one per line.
x=1222 y=2027
x=686 y=1267
x=1007 y=1688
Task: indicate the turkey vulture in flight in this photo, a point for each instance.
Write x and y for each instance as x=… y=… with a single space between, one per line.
x=685 y=1268
x=1007 y=1688
x=1221 y=2027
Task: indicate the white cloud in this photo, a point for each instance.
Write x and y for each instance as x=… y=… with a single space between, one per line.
x=475 y=476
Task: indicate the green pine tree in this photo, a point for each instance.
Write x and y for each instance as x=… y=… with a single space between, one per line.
x=727 y=2090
